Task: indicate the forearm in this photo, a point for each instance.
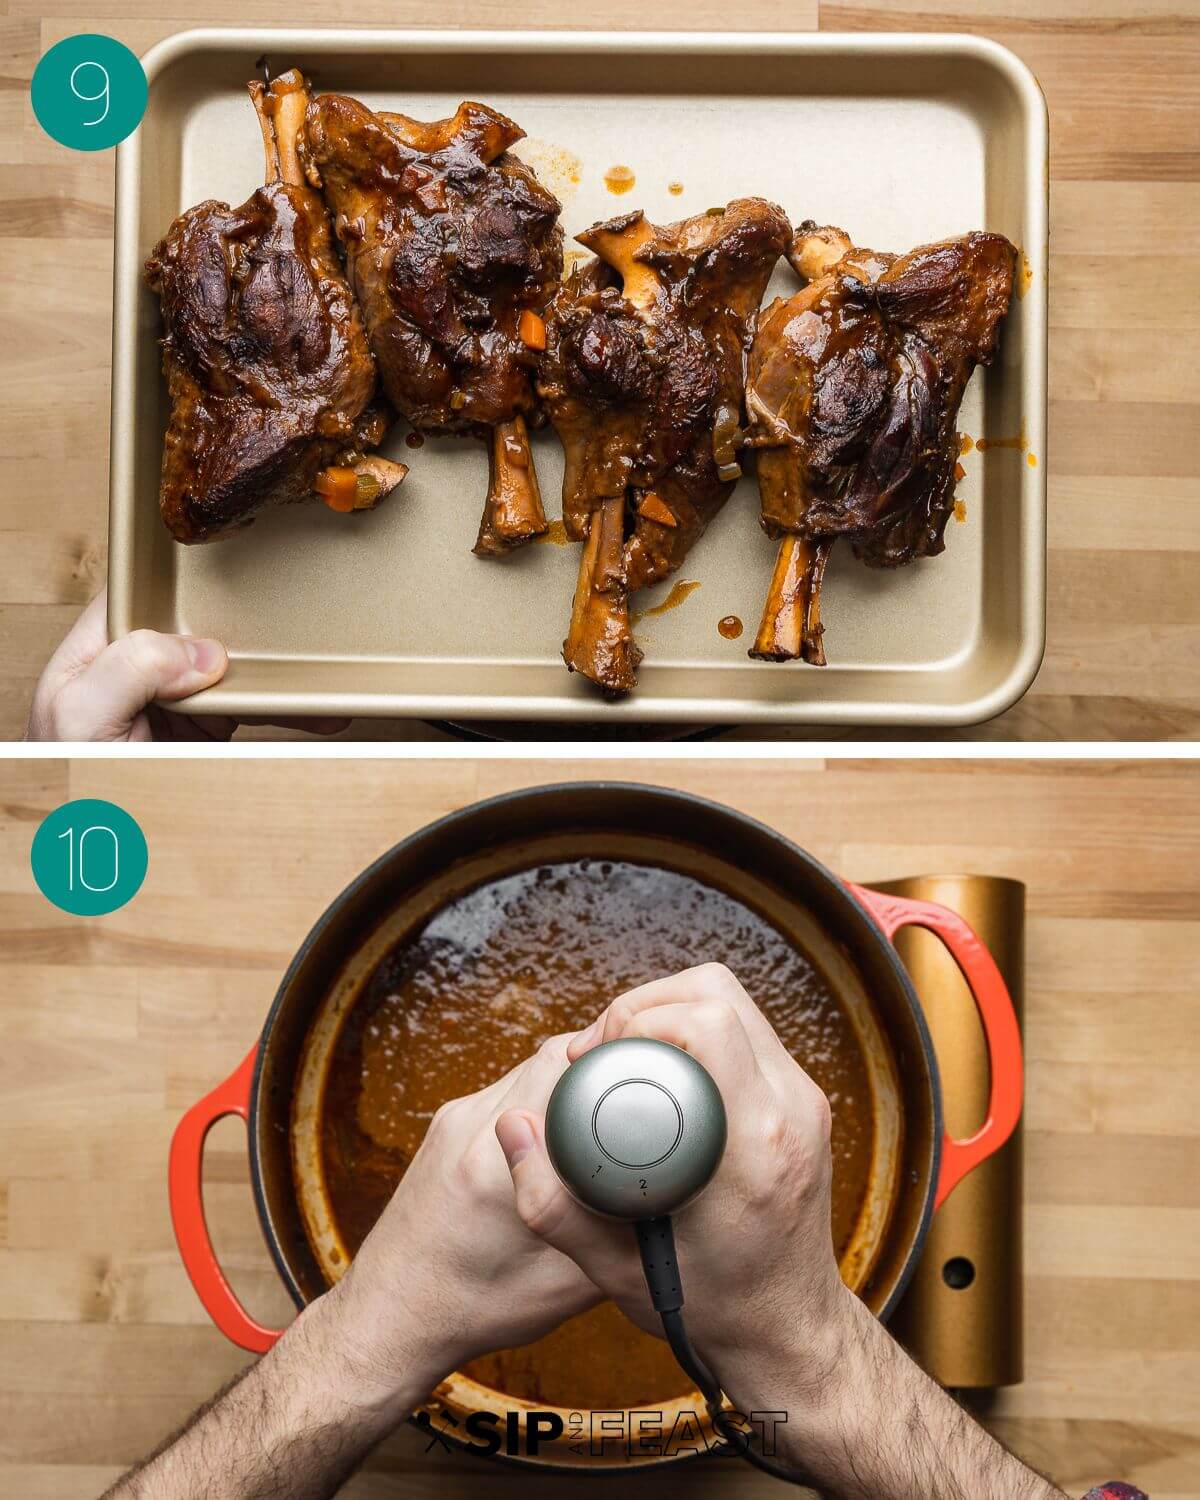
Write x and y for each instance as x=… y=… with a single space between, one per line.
x=865 y=1423
x=297 y=1424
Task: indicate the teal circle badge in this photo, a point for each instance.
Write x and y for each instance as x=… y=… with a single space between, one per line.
x=89 y=857
x=89 y=92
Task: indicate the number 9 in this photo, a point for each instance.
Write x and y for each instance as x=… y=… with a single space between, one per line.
x=91 y=98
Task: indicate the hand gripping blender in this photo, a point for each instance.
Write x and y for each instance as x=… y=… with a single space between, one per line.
x=636 y=1129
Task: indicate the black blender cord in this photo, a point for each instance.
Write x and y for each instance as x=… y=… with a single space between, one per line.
x=656 y=1244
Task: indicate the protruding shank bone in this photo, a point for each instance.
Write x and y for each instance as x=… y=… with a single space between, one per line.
x=791 y=623
x=600 y=642
x=488 y=132
x=642 y=285
x=512 y=512
x=280 y=107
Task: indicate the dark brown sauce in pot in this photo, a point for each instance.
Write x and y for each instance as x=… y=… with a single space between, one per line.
x=520 y=959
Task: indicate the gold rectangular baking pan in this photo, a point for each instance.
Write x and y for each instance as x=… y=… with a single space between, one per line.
x=898 y=139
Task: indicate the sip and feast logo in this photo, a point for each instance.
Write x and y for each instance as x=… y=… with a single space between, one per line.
x=594 y=1434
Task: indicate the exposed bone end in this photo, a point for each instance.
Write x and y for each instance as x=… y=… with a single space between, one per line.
x=280 y=107
x=258 y=97
x=600 y=642
x=817 y=253
x=791 y=626
x=817 y=249
x=291 y=104
x=512 y=512
x=486 y=130
x=386 y=474
x=359 y=485
x=616 y=243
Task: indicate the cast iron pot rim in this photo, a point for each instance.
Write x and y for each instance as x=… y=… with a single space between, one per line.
x=857 y=913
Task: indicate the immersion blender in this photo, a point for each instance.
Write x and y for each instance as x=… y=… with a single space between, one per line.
x=635 y=1129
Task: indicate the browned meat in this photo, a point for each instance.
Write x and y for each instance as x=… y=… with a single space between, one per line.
x=453 y=248
x=270 y=376
x=643 y=379
x=853 y=392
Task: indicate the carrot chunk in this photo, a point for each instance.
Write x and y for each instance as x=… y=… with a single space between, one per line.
x=655 y=508
x=338 y=488
x=532 y=330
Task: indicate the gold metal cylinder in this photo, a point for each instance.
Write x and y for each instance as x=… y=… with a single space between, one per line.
x=961 y=1317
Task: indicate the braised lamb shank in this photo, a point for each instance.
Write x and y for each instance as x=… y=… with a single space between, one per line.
x=853 y=392
x=269 y=372
x=453 y=249
x=643 y=379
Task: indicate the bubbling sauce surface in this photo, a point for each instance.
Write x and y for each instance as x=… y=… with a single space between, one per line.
x=490 y=977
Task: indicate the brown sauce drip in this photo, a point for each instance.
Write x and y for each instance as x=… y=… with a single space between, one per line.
x=679 y=592
x=730 y=627
x=415 y=440
x=518 y=960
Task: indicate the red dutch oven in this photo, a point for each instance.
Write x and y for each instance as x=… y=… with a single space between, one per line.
x=846 y=929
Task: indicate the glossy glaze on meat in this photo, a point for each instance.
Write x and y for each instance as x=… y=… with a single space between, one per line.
x=643 y=379
x=449 y=239
x=853 y=393
x=270 y=376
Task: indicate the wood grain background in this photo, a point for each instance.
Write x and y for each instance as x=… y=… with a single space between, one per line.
x=1123 y=82
x=111 y=1028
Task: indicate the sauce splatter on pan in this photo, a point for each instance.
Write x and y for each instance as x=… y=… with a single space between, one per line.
x=559 y=169
x=679 y=592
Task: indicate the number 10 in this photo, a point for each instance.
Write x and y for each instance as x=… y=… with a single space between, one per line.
x=69 y=835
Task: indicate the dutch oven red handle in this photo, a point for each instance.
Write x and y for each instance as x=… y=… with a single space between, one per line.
x=185 y=1186
x=996 y=1012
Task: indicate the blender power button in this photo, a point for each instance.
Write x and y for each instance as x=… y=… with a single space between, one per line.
x=637 y=1123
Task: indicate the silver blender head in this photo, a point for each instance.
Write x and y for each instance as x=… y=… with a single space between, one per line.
x=635 y=1128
